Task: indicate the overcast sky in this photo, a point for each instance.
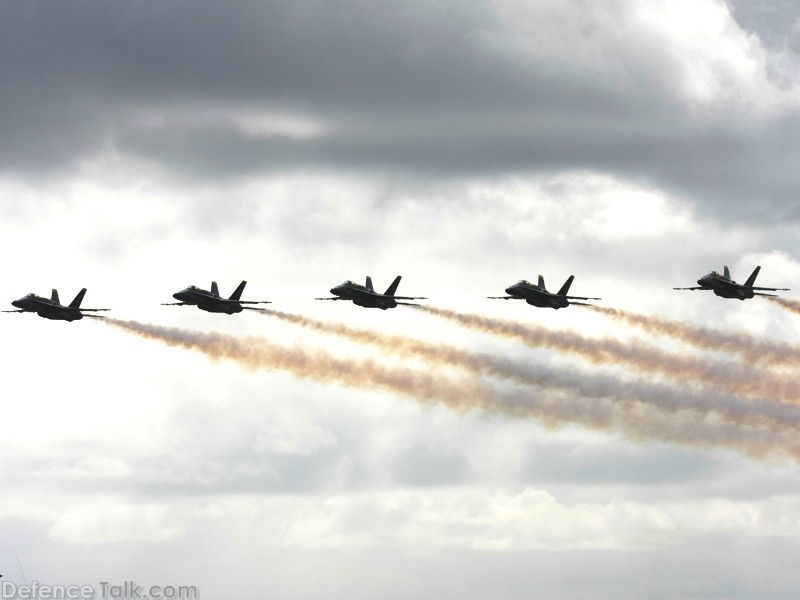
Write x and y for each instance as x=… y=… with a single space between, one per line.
x=464 y=144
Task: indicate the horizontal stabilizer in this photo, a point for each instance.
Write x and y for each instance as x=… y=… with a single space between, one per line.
x=580 y=298
x=254 y=302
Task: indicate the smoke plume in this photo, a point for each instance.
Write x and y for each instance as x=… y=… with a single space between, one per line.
x=638 y=421
x=755 y=350
x=667 y=398
x=735 y=378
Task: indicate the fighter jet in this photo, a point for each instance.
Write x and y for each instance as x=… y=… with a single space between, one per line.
x=51 y=308
x=366 y=296
x=725 y=287
x=537 y=295
x=211 y=301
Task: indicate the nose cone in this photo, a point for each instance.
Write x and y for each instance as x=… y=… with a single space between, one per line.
x=17 y=303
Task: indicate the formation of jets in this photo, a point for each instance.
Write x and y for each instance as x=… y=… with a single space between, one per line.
x=366 y=296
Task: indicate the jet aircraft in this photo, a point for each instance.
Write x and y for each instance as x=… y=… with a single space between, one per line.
x=725 y=287
x=537 y=295
x=366 y=296
x=211 y=301
x=51 y=308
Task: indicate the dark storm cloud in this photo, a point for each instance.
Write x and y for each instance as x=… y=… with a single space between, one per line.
x=420 y=89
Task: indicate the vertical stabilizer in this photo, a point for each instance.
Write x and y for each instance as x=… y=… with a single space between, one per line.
x=369 y=284
x=541 y=282
x=237 y=293
x=565 y=288
x=214 y=288
x=752 y=279
x=54 y=296
x=76 y=302
x=392 y=288
x=726 y=271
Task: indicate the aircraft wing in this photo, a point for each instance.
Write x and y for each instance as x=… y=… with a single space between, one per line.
x=505 y=298
x=694 y=288
x=11 y=311
x=336 y=298
x=768 y=289
x=173 y=304
x=92 y=309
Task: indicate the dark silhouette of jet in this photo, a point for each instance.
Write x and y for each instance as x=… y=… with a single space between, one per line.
x=51 y=308
x=211 y=301
x=537 y=295
x=725 y=287
x=366 y=296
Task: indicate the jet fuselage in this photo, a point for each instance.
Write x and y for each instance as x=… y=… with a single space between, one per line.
x=725 y=287
x=536 y=296
x=205 y=300
x=44 y=307
x=363 y=296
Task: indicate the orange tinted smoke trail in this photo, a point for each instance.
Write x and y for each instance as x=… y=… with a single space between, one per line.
x=792 y=306
x=735 y=378
x=635 y=420
x=666 y=398
x=756 y=351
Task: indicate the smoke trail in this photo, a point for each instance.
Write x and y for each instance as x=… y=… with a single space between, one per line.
x=792 y=306
x=735 y=378
x=635 y=420
x=756 y=351
x=765 y=412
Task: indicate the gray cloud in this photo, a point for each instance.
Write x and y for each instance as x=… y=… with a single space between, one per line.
x=407 y=89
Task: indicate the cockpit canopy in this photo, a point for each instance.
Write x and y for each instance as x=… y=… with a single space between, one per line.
x=348 y=282
x=713 y=274
x=524 y=282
